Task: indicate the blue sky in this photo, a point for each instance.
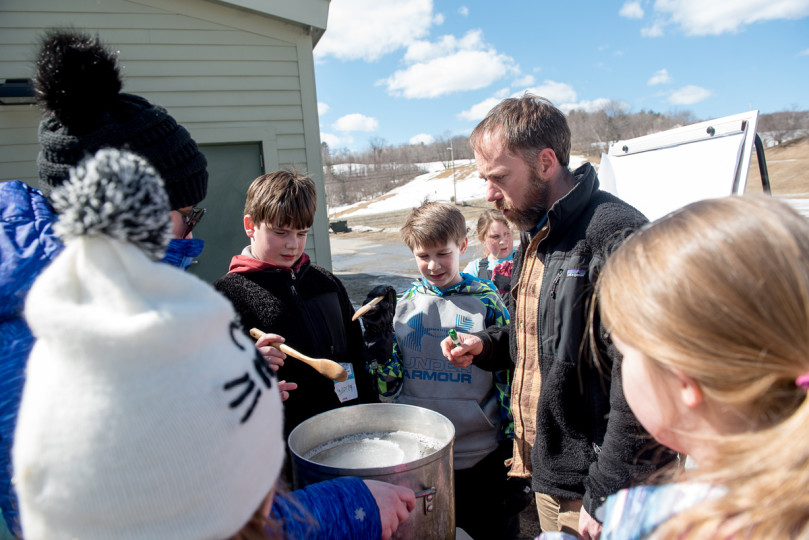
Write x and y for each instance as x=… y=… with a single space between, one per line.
x=411 y=70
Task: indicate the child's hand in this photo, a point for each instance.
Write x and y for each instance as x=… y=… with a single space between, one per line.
x=462 y=355
x=381 y=313
x=395 y=504
x=285 y=387
x=377 y=324
x=272 y=355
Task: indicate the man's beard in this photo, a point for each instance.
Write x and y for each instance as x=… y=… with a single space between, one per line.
x=535 y=198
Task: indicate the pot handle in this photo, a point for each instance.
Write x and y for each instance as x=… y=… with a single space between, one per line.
x=427 y=494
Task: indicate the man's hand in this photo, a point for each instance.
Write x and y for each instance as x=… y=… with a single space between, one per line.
x=462 y=355
x=395 y=504
x=272 y=355
x=589 y=528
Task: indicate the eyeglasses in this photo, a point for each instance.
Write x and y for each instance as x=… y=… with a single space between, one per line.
x=191 y=218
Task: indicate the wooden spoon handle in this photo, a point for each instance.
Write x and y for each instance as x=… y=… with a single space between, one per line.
x=286 y=349
x=255 y=333
x=324 y=366
x=364 y=309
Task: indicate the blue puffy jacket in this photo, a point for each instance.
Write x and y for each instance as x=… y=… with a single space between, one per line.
x=27 y=246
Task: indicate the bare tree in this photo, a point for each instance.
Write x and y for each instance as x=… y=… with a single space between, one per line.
x=353 y=176
x=378 y=145
x=325 y=157
x=784 y=125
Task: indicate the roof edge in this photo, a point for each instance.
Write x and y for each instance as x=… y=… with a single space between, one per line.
x=311 y=13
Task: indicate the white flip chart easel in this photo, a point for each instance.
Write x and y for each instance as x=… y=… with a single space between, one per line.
x=664 y=171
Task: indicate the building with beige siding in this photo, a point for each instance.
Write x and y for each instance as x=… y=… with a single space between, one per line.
x=239 y=75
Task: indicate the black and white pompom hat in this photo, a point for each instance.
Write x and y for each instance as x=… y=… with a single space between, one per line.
x=146 y=412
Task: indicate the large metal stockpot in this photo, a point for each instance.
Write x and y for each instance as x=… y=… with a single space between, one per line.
x=431 y=476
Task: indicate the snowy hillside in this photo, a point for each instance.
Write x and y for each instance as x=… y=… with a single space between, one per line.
x=435 y=185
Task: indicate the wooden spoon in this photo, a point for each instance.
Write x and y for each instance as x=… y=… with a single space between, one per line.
x=324 y=366
x=367 y=307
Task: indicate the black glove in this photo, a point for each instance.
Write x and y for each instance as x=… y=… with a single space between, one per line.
x=518 y=495
x=382 y=313
x=378 y=324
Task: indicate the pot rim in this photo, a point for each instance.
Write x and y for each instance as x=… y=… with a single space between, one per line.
x=372 y=409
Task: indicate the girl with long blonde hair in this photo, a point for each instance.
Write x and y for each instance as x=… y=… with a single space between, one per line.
x=710 y=309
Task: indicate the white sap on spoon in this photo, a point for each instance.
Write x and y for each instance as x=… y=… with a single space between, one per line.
x=378 y=449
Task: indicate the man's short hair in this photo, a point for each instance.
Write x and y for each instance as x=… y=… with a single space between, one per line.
x=529 y=124
x=282 y=198
x=433 y=224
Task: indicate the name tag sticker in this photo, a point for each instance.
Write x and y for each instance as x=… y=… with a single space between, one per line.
x=347 y=390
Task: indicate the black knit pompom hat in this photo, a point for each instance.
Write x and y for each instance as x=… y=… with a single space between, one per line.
x=79 y=86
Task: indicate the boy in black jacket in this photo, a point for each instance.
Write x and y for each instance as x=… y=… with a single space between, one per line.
x=274 y=287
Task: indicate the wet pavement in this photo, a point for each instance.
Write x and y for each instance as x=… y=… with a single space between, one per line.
x=363 y=261
x=371 y=253
x=366 y=259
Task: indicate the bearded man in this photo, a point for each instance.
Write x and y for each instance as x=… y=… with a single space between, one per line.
x=575 y=435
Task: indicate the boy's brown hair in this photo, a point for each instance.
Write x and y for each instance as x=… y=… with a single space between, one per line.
x=283 y=199
x=433 y=224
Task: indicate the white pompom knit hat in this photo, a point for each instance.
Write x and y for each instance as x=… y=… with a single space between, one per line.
x=146 y=411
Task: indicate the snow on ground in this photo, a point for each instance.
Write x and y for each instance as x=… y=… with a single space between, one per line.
x=770 y=138
x=435 y=185
x=362 y=168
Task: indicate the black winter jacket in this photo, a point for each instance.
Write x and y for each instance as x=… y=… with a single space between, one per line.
x=588 y=444
x=311 y=309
